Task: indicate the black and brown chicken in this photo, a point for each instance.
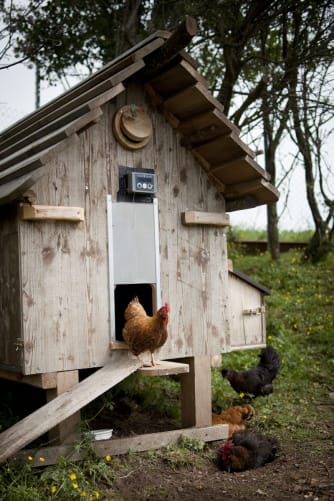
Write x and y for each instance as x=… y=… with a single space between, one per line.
x=247 y=450
x=258 y=380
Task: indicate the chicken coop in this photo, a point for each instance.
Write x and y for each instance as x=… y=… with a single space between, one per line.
x=121 y=187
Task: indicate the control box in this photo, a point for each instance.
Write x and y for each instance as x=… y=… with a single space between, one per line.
x=141 y=182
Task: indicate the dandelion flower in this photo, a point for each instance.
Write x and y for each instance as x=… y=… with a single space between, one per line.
x=53 y=489
x=42 y=459
x=108 y=457
x=241 y=395
x=30 y=458
x=73 y=476
x=75 y=485
x=83 y=494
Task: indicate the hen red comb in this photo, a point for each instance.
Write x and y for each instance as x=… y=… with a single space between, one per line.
x=166 y=306
x=225 y=454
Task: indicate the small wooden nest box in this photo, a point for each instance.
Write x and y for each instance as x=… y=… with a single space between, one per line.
x=118 y=188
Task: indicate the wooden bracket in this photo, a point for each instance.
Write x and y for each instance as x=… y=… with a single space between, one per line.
x=50 y=213
x=205 y=218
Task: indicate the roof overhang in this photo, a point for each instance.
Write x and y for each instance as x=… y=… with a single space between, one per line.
x=175 y=88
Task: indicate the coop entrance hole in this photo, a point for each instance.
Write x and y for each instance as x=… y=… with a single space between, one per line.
x=123 y=295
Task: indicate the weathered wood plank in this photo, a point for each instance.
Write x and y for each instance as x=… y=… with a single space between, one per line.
x=118 y=446
x=175 y=78
x=196 y=392
x=50 y=213
x=45 y=381
x=262 y=190
x=214 y=121
x=207 y=218
x=65 y=405
x=164 y=368
x=223 y=149
x=37 y=142
x=243 y=168
x=68 y=430
x=193 y=99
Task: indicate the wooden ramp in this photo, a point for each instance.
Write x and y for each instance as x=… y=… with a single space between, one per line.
x=48 y=416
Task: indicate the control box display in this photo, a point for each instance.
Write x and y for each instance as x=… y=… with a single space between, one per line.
x=141 y=182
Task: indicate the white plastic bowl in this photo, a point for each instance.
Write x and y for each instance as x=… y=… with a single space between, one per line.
x=104 y=434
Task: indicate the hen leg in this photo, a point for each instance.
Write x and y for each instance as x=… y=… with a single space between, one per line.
x=154 y=362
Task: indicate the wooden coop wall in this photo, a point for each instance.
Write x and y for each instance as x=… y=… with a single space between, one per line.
x=10 y=304
x=247 y=315
x=64 y=265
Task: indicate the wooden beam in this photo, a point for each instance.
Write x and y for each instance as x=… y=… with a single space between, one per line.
x=117 y=446
x=205 y=218
x=193 y=99
x=196 y=392
x=45 y=381
x=51 y=414
x=68 y=430
x=261 y=189
x=242 y=168
x=50 y=213
x=178 y=40
x=247 y=202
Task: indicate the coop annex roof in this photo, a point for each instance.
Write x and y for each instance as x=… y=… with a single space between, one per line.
x=177 y=90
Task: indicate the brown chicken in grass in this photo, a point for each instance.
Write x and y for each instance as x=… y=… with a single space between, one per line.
x=142 y=332
x=247 y=450
x=236 y=417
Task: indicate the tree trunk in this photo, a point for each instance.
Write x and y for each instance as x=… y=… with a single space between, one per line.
x=269 y=154
x=273 y=233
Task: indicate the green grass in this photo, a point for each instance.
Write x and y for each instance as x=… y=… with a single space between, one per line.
x=300 y=325
x=240 y=233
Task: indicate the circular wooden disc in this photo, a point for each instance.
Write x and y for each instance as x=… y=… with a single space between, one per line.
x=135 y=123
x=132 y=127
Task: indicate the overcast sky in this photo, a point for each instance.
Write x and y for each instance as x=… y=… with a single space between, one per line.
x=17 y=99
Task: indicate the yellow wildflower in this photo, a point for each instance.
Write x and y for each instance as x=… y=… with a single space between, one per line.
x=241 y=395
x=30 y=458
x=108 y=457
x=73 y=476
x=42 y=459
x=75 y=485
x=53 y=489
x=83 y=494
x=270 y=337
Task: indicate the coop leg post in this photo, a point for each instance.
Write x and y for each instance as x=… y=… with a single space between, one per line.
x=68 y=430
x=196 y=392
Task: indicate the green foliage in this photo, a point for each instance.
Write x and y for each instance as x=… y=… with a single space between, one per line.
x=300 y=324
x=65 y=480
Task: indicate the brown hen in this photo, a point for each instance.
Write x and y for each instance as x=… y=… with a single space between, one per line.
x=236 y=417
x=142 y=332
